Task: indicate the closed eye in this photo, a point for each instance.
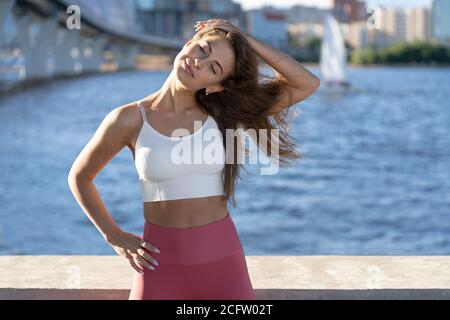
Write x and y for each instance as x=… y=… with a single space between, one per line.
x=203 y=50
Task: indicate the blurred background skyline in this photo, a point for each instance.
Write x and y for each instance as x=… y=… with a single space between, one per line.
x=252 y=4
x=117 y=34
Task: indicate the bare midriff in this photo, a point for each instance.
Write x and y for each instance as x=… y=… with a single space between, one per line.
x=185 y=213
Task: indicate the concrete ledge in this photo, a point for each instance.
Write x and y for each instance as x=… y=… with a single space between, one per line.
x=273 y=277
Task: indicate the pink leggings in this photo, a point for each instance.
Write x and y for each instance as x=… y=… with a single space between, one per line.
x=204 y=262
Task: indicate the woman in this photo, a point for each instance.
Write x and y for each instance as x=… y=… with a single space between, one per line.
x=190 y=248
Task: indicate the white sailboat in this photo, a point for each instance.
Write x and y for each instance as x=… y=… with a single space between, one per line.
x=333 y=56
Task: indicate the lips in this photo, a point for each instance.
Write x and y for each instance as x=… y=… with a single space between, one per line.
x=188 y=67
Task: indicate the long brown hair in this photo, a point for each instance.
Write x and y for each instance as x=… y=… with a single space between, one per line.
x=244 y=103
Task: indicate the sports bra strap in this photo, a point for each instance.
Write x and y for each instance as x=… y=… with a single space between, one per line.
x=141 y=108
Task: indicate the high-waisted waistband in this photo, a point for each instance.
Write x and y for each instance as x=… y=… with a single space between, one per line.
x=194 y=245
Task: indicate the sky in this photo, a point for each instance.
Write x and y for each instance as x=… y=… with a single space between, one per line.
x=251 y=4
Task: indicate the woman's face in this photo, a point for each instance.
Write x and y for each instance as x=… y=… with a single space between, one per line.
x=211 y=60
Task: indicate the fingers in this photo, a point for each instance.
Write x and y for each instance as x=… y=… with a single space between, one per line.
x=136 y=266
x=149 y=246
x=147 y=257
x=139 y=259
x=144 y=256
x=142 y=263
x=199 y=25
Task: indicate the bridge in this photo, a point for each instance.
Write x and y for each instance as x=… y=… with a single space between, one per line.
x=37 y=43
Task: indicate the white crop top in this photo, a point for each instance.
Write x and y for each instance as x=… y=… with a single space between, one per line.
x=169 y=169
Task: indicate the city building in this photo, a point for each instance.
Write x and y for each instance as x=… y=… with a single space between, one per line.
x=440 y=21
x=176 y=18
x=418 y=24
x=305 y=15
x=394 y=25
x=302 y=31
x=348 y=11
x=269 y=25
x=356 y=34
x=398 y=25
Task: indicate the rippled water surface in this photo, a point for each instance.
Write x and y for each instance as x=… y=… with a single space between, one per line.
x=374 y=180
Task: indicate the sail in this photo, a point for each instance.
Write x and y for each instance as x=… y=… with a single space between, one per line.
x=333 y=59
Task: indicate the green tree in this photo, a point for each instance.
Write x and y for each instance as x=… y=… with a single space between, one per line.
x=415 y=52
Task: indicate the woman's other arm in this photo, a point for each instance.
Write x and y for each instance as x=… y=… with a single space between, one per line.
x=111 y=136
x=109 y=139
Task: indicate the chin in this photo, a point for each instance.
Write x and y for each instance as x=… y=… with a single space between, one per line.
x=185 y=78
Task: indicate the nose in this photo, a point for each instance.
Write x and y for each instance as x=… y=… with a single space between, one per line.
x=196 y=60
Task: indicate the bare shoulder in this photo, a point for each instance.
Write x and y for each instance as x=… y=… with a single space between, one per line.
x=124 y=120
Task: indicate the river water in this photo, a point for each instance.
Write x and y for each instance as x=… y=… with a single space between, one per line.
x=374 y=180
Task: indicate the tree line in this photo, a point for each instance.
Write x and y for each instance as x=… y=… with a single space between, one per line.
x=401 y=53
